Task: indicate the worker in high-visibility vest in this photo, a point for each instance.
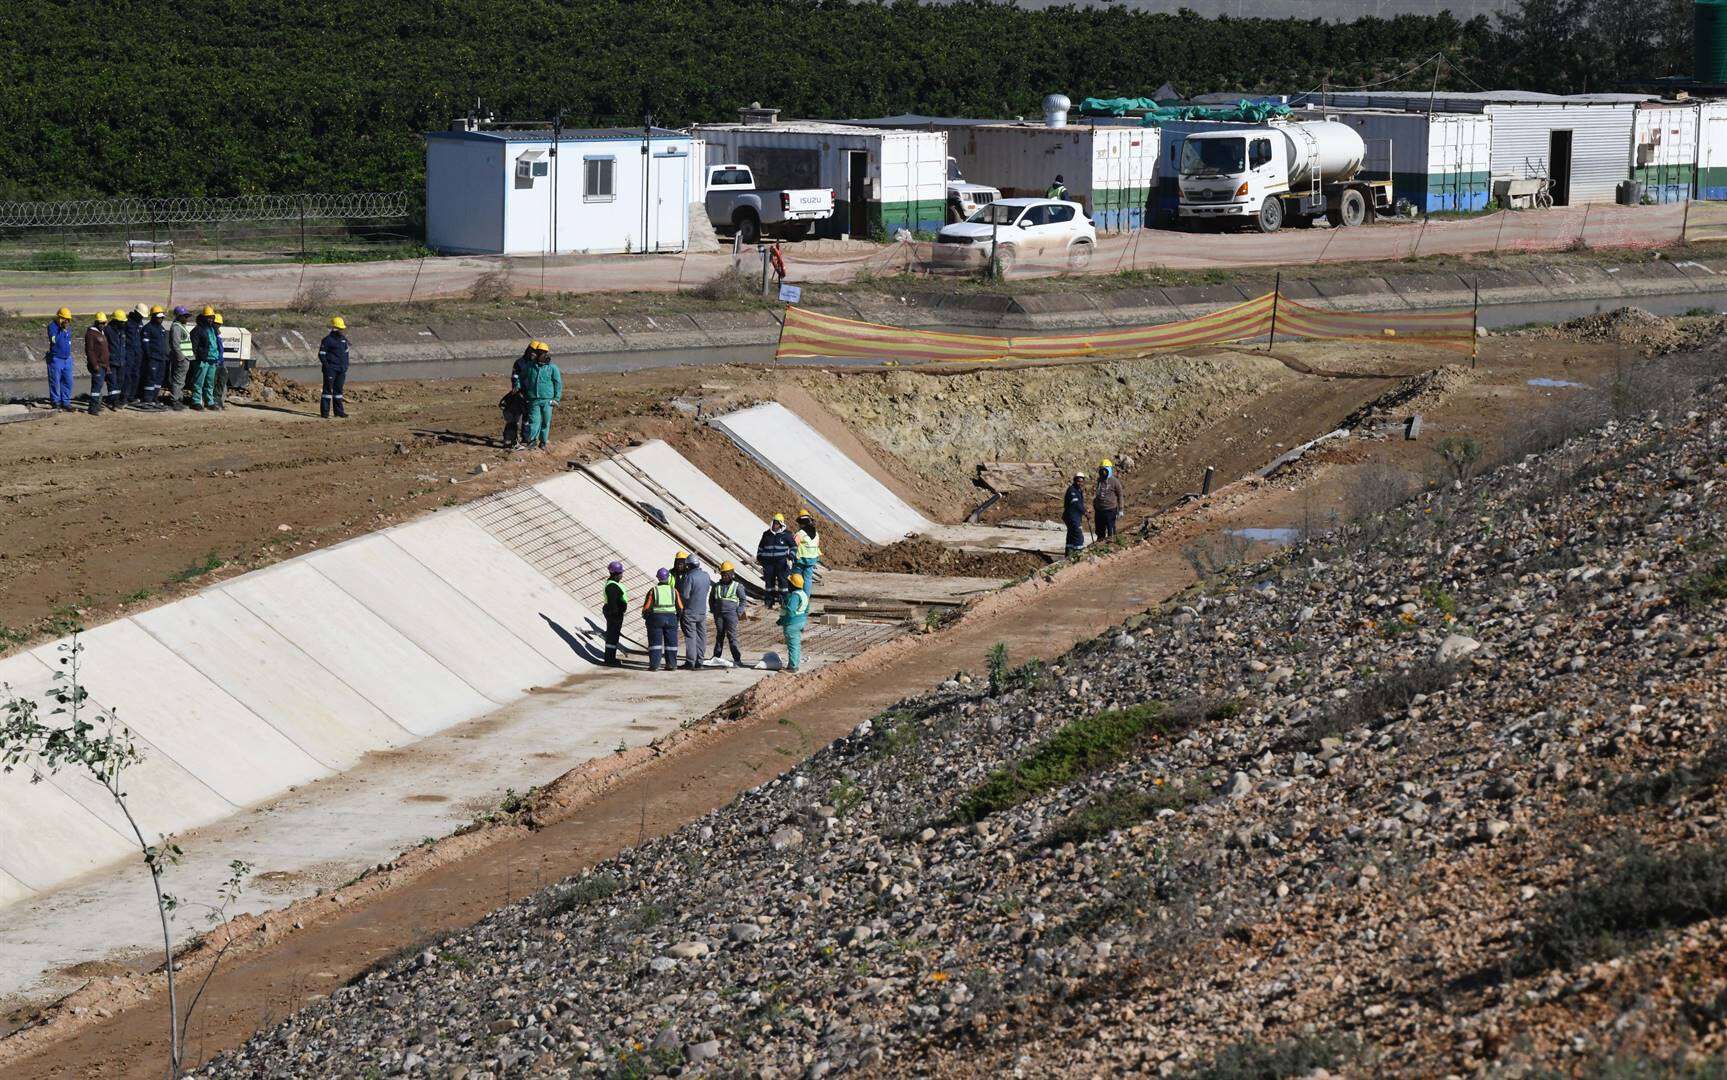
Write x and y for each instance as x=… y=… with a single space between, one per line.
x=792 y=621
x=729 y=601
x=660 y=611
x=807 y=549
x=616 y=604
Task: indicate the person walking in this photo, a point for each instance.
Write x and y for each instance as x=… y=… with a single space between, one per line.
x=543 y=386
x=157 y=351
x=180 y=354
x=206 y=358
x=807 y=548
x=1106 y=504
x=1073 y=514
x=1057 y=190
x=96 y=361
x=333 y=361
x=134 y=378
x=729 y=599
x=694 y=587
x=617 y=602
x=792 y=620
x=774 y=555
x=115 y=331
x=58 y=359
x=660 y=614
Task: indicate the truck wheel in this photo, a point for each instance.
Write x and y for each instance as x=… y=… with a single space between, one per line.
x=749 y=230
x=1351 y=210
x=1079 y=255
x=1270 y=215
x=1005 y=258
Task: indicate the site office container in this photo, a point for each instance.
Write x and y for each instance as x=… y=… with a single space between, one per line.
x=1108 y=169
x=882 y=180
x=1664 y=150
x=1439 y=163
x=1578 y=142
x=1712 y=150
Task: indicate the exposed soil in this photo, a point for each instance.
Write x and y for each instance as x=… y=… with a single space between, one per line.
x=921 y=555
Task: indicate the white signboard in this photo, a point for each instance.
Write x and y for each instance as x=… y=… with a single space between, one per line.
x=790 y=294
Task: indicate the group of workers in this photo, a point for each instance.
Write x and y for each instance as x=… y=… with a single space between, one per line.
x=684 y=595
x=151 y=360
x=1105 y=505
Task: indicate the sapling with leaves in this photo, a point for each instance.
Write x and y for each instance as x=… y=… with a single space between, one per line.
x=76 y=736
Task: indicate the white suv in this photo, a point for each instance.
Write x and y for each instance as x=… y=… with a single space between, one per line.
x=1043 y=231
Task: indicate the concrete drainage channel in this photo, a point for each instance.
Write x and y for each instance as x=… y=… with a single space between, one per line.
x=298 y=716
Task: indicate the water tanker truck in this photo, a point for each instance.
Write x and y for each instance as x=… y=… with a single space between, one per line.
x=1263 y=175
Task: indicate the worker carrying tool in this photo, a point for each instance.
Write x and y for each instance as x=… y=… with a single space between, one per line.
x=617 y=602
x=1073 y=514
x=333 y=360
x=807 y=545
x=1107 y=502
x=792 y=621
x=729 y=601
x=660 y=614
x=774 y=554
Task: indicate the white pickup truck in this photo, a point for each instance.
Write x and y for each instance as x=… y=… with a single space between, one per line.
x=734 y=202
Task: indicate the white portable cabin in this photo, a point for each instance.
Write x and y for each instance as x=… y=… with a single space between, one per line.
x=1579 y=142
x=1664 y=150
x=1712 y=150
x=504 y=192
x=1438 y=163
x=883 y=180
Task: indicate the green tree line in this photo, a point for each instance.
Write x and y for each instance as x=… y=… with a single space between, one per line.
x=220 y=97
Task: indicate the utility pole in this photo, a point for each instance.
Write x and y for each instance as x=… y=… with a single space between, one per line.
x=557 y=137
x=1276 y=291
x=647 y=170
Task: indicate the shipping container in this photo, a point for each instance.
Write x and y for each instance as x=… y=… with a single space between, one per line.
x=883 y=180
x=1664 y=151
x=1712 y=150
x=1439 y=163
x=1578 y=142
x=1109 y=170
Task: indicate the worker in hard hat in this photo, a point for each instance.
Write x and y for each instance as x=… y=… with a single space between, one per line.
x=543 y=387
x=180 y=357
x=694 y=587
x=134 y=381
x=58 y=357
x=96 y=361
x=1106 y=503
x=729 y=601
x=115 y=330
x=514 y=404
x=807 y=549
x=333 y=362
x=792 y=621
x=1073 y=514
x=157 y=354
x=219 y=384
x=614 y=607
x=660 y=610
x=774 y=554
x=679 y=562
x=206 y=358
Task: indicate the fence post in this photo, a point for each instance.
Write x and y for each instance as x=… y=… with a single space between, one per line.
x=302 y=230
x=1276 y=291
x=1475 y=325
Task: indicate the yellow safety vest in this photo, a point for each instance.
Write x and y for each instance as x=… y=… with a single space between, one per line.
x=809 y=547
x=797 y=602
x=665 y=599
x=728 y=592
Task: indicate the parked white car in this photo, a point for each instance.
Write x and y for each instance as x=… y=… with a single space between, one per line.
x=1045 y=231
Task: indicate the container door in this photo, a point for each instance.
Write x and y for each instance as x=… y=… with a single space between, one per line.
x=858 y=192
x=671 y=197
x=1712 y=154
x=1559 y=166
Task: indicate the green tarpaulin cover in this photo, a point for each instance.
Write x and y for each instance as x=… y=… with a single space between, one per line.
x=1243 y=112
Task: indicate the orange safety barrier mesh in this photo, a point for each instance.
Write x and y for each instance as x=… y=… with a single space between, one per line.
x=807 y=333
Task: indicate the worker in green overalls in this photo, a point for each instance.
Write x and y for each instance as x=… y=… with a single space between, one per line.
x=792 y=620
x=808 y=549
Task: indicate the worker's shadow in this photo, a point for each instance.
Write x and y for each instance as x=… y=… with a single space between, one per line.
x=466 y=438
x=581 y=646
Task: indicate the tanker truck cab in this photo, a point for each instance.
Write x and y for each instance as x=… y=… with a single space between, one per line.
x=1266 y=175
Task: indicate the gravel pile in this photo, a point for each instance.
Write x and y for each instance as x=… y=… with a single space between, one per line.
x=1440 y=795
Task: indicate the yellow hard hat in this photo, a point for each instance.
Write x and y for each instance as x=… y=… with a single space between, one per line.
x=681 y=555
x=1106 y=463
x=63 y=313
x=539 y=346
x=156 y=309
x=119 y=314
x=101 y=316
x=218 y=318
x=797 y=581
x=781 y=518
x=805 y=513
x=208 y=310
x=338 y=323
x=726 y=568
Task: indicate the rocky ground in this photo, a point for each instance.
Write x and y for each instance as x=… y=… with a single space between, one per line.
x=1441 y=793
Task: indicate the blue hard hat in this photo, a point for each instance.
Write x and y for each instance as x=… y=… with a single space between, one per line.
x=615 y=568
x=663 y=574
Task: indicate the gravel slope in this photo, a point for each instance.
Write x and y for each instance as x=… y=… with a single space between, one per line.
x=1440 y=795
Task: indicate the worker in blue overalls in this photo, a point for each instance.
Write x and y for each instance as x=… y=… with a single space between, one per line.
x=333 y=361
x=59 y=360
x=660 y=613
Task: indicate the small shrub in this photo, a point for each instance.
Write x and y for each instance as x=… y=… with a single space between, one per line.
x=1253 y=1059
x=491 y=286
x=1704 y=588
x=1631 y=895
x=1379 y=487
x=1120 y=809
x=1216 y=554
x=997 y=669
x=1461 y=456
x=211 y=562
x=1080 y=747
x=313 y=297
x=1388 y=693
x=728 y=285
x=585 y=890
x=1673 y=784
